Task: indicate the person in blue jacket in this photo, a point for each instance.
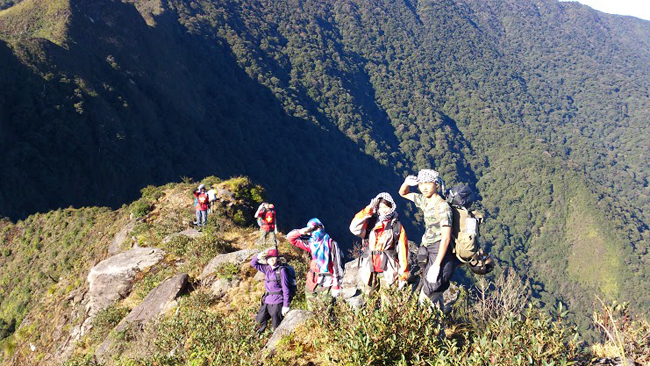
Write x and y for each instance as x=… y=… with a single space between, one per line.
x=275 y=304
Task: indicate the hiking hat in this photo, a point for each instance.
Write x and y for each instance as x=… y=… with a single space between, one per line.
x=428 y=176
x=431 y=176
x=272 y=253
x=202 y=186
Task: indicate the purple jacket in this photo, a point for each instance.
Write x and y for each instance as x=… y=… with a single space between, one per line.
x=282 y=287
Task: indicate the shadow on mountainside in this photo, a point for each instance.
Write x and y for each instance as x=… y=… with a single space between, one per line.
x=128 y=105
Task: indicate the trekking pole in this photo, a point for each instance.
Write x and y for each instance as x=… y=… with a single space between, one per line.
x=275 y=237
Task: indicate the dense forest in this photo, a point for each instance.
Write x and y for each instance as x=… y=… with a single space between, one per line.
x=540 y=106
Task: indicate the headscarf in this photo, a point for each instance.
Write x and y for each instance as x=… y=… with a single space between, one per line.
x=320 y=244
x=432 y=176
x=392 y=213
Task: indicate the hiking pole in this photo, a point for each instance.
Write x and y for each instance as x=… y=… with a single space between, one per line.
x=275 y=237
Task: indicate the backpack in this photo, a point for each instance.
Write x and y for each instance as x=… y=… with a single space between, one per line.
x=203 y=198
x=291 y=278
x=465 y=224
x=269 y=217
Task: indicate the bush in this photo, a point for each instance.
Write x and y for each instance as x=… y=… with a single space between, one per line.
x=141 y=207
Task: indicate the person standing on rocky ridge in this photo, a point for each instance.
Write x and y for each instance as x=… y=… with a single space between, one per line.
x=435 y=252
x=275 y=304
x=325 y=274
x=265 y=216
x=201 y=206
x=385 y=257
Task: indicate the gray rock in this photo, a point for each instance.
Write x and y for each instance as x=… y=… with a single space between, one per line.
x=190 y=233
x=259 y=276
x=153 y=305
x=356 y=301
x=225 y=194
x=221 y=286
x=156 y=301
x=293 y=320
x=234 y=257
x=120 y=237
x=349 y=286
x=111 y=279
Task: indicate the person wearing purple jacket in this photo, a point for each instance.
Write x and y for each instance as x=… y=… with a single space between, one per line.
x=275 y=304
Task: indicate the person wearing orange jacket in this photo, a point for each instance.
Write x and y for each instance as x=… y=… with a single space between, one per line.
x=384 y=261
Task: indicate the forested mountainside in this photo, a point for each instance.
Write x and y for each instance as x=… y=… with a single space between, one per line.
x=540 y=106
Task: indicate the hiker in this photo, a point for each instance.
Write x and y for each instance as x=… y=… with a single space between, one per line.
x=265 y=216
x=275 y=303
x=325 y=269
x=385 y=258
x=435 y=252
x=201 y=205
x=212 y=198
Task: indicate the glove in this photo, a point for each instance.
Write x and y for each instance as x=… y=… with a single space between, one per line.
x=262 y=255
x=336 y=292
x=401 y=285
x=411 y=180
x=373 y=203
x=432 y=274
x=285 y=310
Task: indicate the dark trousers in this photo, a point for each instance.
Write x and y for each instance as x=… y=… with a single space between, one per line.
x=270 y=311
x=435 y=290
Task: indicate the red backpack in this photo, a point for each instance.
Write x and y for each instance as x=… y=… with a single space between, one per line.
x=203 y=198
x=269 y=217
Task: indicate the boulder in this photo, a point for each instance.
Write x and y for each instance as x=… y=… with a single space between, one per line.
x=237 y=258
x=156 y=301
x=259 y=276
x=120 y=237
x=221 y=286
x=190 y=233
x=349 y=285
x=111 y=279
x=293 y=320
x=153 y=305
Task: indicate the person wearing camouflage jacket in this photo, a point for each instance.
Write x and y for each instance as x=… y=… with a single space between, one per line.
x=435 y=252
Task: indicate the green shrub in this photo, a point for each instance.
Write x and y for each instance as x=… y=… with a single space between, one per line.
x=141 y=207
x=106 y=320
x=227 y=270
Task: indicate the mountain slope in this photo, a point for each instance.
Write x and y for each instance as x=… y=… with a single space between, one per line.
x=540 y=106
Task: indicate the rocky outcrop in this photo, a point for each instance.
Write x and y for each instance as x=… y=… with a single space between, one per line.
x=190 y=233
x=237 y=258
x=160 y=299
x=156 y=302
x=292 y=320
x=221 y=286
x=350 y=279
x=111 y=279
x=120 y=237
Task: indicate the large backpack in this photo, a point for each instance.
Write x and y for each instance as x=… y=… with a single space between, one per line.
x=291 y=278
x=466 y=223
x=268 y=219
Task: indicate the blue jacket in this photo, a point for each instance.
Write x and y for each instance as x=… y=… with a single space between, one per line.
x=271 y=285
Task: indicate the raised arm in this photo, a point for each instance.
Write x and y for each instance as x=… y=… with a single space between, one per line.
x=359 y=223
x=404 y=189
x=295 y=239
